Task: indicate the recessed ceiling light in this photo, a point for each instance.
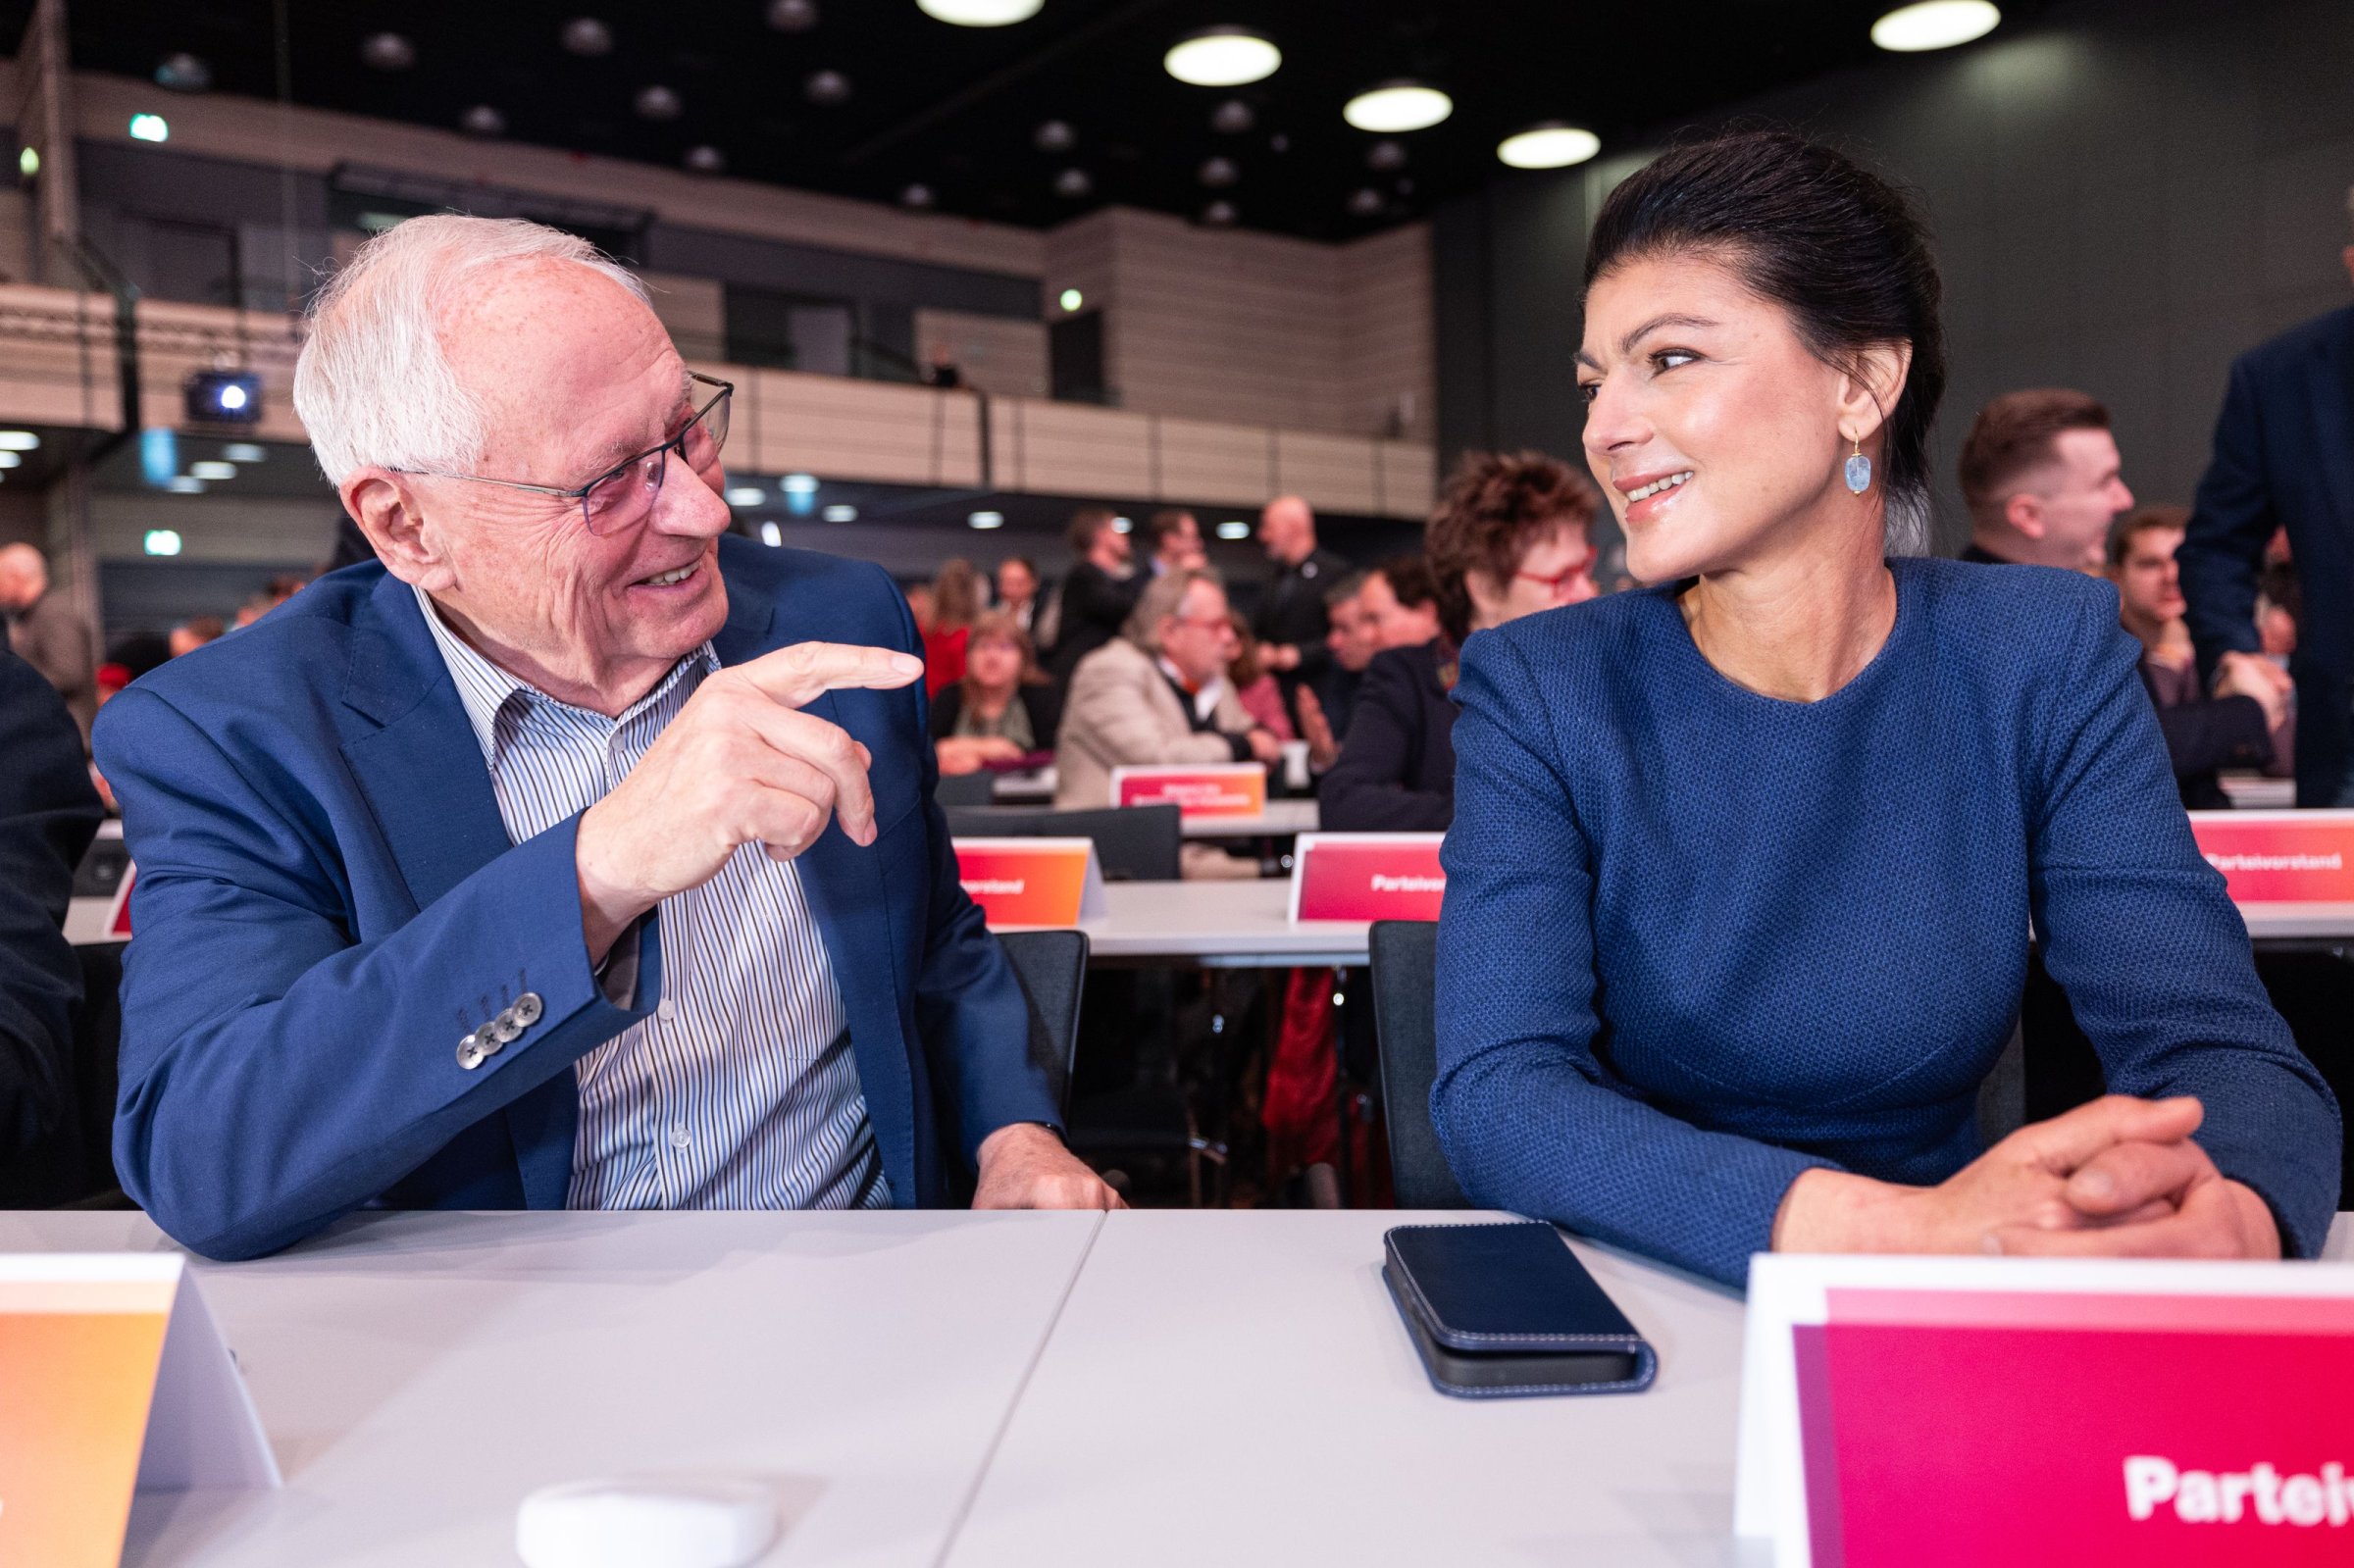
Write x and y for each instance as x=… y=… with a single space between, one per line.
x=657 y=102
x=986 y=519
x=1934 y=24
x=183 y=72
x=149 y=127
x=1073 y=184
x=747 y=496
x=1553 y=145
x=980 y=13
x=11 y=459
x=1219 y=171
x=483 y=121
x=1219 y=215
x=1233 y=528
x=161 y=541
x=587 y=35
x=706 y=160
x=184 y=484
x=244 y=452
x=1055 y=136
x=839 y=512
x=827 y=87
x=1222 y=57
x=1398 y=106
x=800 y=484
x=19 y=441
x=214 y=471
x=1123 y=525
x=1070 y=299
x=1232 y=117
x=1386 y=156
x=793 y=16
x=388 y=51
x=917 y=195
x=1366 y=202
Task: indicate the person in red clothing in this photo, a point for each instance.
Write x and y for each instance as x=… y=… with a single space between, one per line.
x=956 y=602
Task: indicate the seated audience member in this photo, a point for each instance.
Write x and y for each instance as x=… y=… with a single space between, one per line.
x=955 y=601
x=1017 y=591
x=1402 y=600
x=1096 y=594
x=920 y=607
x=1743 y=865
x=1326 y=704
x=581 y=854
x=43 y=628
x=2042 y=476
x=1253 y=688
x=1177 y=546
x=1158 y=695
x=2237 y=727
x=1002 y=713
x=194 y=632
x=48 y=816
x=1508 y=539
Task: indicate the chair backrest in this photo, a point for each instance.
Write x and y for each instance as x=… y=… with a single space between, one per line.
x=1405 y=961
x=1135 y=844
x=965 y=788
x=1051 y=966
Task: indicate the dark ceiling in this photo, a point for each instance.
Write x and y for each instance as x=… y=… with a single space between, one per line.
x=957 y=109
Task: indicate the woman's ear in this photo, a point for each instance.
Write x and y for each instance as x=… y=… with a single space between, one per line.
x=387 y=510
x=1870 y=389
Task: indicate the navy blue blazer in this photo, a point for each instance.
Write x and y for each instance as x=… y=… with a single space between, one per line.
x=328 y=902
x=2284 y=456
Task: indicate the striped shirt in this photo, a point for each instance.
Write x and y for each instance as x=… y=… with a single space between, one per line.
x=741 y=1092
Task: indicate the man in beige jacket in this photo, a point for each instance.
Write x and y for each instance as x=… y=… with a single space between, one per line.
x=1158 y=694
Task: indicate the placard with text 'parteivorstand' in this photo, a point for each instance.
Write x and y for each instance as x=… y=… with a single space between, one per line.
x=1032 y=881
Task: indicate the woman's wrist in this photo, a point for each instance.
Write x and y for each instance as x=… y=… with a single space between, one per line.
x=1835 y=1211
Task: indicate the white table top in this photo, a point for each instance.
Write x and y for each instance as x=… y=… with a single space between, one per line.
x=2299 y=922
x=1217 y=924
x=1280 y=819
x=2252 y=791
x=1237 y=1387
x=418 y=1374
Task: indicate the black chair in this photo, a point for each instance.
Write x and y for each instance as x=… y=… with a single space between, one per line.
x=1404 y=955
x=1134 y=843
x=965 y=789
x=1051 y=966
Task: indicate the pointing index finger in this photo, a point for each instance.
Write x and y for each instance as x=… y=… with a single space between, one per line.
x=799 y=675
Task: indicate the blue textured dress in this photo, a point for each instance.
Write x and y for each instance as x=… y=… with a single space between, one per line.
x=1697 y=940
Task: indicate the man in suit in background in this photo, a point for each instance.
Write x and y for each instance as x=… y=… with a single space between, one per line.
x=1094 y=598
x=1290 y=622
x=581 y=854
x=2284 y=459
x=43 y=631
x=1176 y=541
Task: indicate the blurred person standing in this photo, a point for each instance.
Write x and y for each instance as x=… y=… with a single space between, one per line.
x=1017 y=591
x=956 y=602
x=2247 y=722
x=194 y=632
x=1002 y=712
x=1290 y=620
x=1509 y=539
x=2042 y=474
x=1176 y=536
x=41 y=628
x=2285 y=460
x=1096 y=595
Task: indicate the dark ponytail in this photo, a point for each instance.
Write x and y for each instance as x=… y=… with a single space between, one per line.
x=1840 y=249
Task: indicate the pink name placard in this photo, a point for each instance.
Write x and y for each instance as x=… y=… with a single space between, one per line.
x=1229 y=789
x=2280 y=857
x=1031 y=881
x=1367 y=875
x=1925 y=1412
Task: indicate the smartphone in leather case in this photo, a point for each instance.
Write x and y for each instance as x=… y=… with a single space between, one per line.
x=1499 y=1311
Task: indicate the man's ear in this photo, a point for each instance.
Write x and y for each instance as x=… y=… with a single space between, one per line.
x=2025 y=512
x=390 y=513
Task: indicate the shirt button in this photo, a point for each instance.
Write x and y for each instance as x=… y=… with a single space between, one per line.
x=679 y=1137
x=666 y=1010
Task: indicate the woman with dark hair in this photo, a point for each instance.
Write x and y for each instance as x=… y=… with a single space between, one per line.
x=1508 y=539
x=1001 y=713
x=1743 y=864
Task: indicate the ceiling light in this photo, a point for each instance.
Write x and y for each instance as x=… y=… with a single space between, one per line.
x=827 y=87
x=1219 y=171
x=771 y=535
x=1073 y=184
x=214 y=471
x=149 y=127
x=1055 y=136
x=1232 y=117
x=747 y=496
x=1070 y=299
x=980 y=13
x=1233 y=528
x=1398 y=106
x=1366 y=202
x=483 y=121
x=800 y=484
x=1123 y=525
x=658 y=102
x=840 y=513
x=793 y=16
x=19 y=441
x=1222 y=57
x=183 y=72
x=184 y=484
x=1552 y=145
x=28 y=162
x=586 y=35
x=706 y=160
x=1219 y=214
x=1934 y=24
x=388 y=51
x=244 y=452
x=986 y=519
x=11 y=459
x=161 y=541
x=917 y=196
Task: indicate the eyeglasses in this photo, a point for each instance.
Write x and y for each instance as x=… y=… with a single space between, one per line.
x=624 y=495
x=1559 y=584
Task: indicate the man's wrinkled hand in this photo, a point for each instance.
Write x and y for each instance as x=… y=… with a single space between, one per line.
x=1025 y=1166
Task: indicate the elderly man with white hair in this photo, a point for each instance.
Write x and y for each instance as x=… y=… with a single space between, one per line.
x=573 y=855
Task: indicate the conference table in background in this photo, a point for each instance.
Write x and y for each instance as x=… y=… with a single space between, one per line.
x=1146 y=1388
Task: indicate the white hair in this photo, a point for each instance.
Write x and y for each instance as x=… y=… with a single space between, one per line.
x=374 y=386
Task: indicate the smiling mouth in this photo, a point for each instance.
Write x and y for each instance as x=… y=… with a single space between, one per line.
x=671 y=579
x=1671 y=482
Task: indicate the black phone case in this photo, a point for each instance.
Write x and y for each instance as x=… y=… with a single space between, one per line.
x=1506 y=1311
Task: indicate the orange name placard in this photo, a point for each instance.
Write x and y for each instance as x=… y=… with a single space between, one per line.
x=1367 y=875
x=112 y=1380
x=1032 y=881
x=2280 y=857
x=1236 y=790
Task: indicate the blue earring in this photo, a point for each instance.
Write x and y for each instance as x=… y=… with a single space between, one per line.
x=1858 y=471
